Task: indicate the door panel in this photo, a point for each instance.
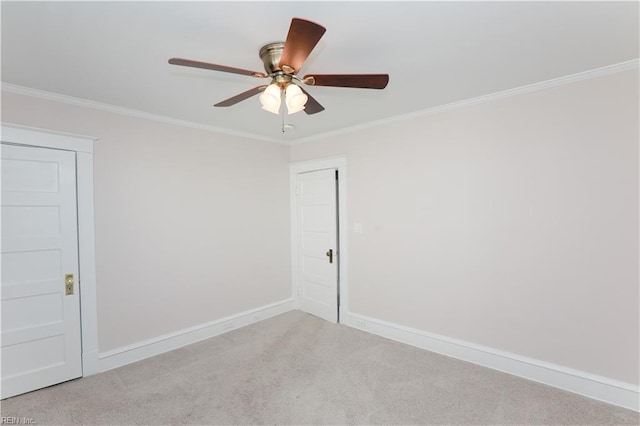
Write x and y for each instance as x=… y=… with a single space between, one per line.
x=41 y=343
x=317 y=234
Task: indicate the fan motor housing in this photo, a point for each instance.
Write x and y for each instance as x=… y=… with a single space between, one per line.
x=270 y=55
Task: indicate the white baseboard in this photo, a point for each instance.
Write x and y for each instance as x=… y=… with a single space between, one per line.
x=592 y=386
x=165 y=343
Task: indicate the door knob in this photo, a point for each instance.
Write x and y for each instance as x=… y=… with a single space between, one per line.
x=330 y=254
x=68 y=284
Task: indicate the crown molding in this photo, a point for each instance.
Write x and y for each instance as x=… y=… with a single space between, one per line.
x=572 y=78
x=585 y=75
x=85 y=103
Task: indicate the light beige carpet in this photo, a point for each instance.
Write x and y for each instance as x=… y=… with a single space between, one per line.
x=297 y=369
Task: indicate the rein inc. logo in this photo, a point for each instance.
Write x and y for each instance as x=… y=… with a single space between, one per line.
x=11 y=420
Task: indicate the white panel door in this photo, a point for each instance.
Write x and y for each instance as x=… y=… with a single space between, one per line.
x=317 y=243
x=41 y=343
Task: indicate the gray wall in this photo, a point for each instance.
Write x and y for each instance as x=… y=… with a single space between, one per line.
x=511 y=224
x=191 y=226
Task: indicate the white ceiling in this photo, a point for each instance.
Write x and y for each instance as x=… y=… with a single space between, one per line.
x=435 y=53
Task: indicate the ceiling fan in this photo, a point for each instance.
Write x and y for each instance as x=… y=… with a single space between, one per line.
x=282 y=61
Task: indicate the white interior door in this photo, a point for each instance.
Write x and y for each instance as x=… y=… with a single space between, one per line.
x=316 y=200
x=41 y=343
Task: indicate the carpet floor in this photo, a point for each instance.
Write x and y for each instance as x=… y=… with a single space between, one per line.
x=297 y=369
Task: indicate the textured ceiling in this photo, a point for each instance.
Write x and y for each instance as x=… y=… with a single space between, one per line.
x=435 y=53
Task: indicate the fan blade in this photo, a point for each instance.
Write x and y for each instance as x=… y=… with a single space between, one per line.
x=214 y=67
x=302 y=38
x=362 y=81
x=312 y=106
x=241 y=97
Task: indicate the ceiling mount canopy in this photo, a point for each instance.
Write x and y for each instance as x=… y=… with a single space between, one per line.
x=282 y=61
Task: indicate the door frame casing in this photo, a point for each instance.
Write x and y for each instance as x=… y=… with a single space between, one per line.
x=83 y=147
x=338 y=163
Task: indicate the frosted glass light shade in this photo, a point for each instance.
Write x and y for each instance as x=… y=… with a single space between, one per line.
x=270 y=99
x=295 y=99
